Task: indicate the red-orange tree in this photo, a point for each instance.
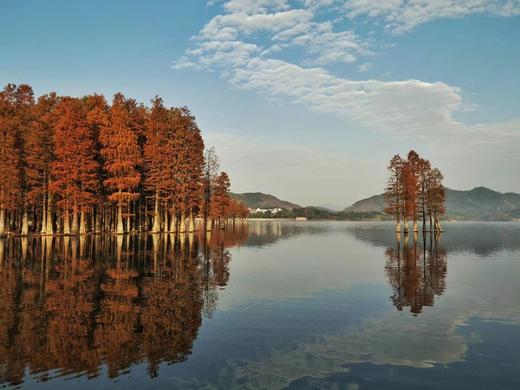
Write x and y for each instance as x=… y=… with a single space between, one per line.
x=156 y=157
x=81 y=156
x=394 y=192
x=186 y=169
x=220 y=198
x=122 y=156
x=414 y=189
x=74 y=172
x=39 y=148
x=10 y=178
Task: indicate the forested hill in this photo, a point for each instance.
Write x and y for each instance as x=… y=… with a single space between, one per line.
x=256 y=200
x=480 y=203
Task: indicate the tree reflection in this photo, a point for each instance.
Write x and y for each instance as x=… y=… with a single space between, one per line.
x=416 y=272
x=72 y=305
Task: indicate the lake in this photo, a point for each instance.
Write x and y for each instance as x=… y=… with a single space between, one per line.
x=265 y=305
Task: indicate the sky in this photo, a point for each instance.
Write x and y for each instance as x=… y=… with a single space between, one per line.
x=303 y=99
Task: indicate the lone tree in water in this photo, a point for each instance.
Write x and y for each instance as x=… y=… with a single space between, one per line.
x=414 y=190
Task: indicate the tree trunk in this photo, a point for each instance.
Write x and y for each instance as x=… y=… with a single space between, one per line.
x=406 y=227
x=208 y=224
x=50 y=228
x=75 y=227
x=398 y=224
x=25 y=223
x=44 y=214
x=66 y=223
x=83 y=223
x=106 y=220
x=173 y=223
x=156 y=216
x=191 y=226
x=415 y=226
x=2 y=220
x=423 y=201
x=93 y=221
x=129 y=220
x=97 y=222
x=120 y=228
x=437 y=226
x=182 y=227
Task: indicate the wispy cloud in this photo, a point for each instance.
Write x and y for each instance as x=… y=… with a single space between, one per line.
x=400 y=16
x=229 y=44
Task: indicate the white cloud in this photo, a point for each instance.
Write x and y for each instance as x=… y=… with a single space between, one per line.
x=255 y=6
x=406 y=108
x=401 y=16
x=323 y=44
x=251 y=23
x=286 y=27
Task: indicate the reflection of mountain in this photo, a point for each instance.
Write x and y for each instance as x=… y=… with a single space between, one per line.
x=72 y=305
x=416 y=273
x=267 y=232
x=479 y=238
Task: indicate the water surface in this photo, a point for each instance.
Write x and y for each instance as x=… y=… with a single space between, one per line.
x=267 y=305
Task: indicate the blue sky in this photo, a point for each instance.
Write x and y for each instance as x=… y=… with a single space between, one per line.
x=305 y=99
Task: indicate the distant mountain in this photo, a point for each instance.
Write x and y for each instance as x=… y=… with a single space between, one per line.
x=480 y=203
x=375 y=203
x=263 y=201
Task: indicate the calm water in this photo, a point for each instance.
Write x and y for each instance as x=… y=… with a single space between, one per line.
x=270 y=305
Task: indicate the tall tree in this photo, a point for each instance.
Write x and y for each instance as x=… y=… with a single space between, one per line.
x=121 y=154
x=416 y=164
x=97 y=117
x=188 y=166
x=39 y=156
x=21 y=100
x=436 y=198
x=156 y=157
x=410 y=194
x=211 y=169
x=10 y=156
x=74 y=172
x=394 y=191
x=221 y=200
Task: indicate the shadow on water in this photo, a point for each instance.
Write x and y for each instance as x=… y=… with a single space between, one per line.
x=87 y=305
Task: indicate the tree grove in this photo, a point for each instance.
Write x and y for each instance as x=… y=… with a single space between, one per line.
x=76 y=165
